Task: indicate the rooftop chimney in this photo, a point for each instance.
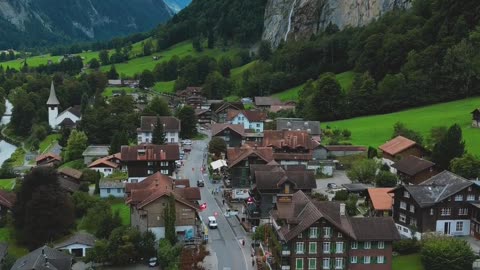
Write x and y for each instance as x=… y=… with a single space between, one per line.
x=342 y=209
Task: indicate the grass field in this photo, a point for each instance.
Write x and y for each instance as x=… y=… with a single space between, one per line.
x=407 y=262
x=137 y=65
x=236 y=73
x=108 y=92
x=164 y=87
x=6 y=236
x=123 y=210
x=74 y=164
x=345 y=80
x=47 y=143
x=376 y=130
x=7 y=184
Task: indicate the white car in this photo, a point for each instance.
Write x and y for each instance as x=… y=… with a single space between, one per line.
x=187 y=142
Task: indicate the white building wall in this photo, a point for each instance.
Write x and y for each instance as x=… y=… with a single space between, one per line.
x=52 y=116
x=76 y=246
x=464 y=229
x=106 y=171
x=107 y=192
x=405 y=231
x=135 y=179
x=146 y=137
x=64 y=115
x=159 y=232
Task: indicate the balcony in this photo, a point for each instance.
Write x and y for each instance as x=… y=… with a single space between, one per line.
x=285 y=267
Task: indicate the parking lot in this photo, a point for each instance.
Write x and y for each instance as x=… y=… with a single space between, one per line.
x=339 y=178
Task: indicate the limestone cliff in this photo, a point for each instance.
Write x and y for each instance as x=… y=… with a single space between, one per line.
x=297 y=19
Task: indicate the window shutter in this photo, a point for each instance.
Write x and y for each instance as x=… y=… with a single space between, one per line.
x=360 y=245
x=361 y=260
x=373 y=259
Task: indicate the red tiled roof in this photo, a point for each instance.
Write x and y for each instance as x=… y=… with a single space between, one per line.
x=217 y=128
x=252 y=116
x=347 y=148
x=170 y=123
x=150 y=152
x=7 y=199
x=277 y=108
x=381 y=199
x=48 y=155
x=397 y=145
x=103 y=162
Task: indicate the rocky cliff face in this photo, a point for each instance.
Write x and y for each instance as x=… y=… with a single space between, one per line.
x=298 y=19
x=46 y=21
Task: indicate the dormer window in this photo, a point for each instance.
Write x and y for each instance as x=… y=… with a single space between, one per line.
x=406 y=194
x=458 y=198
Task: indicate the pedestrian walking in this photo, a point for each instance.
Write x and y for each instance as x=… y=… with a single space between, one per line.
x=243 y=242
x=253 y=261
x=223 y=202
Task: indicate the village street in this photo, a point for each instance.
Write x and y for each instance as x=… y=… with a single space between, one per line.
x=225 y=243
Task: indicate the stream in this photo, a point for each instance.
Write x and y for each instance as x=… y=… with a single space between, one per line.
x=6 y=149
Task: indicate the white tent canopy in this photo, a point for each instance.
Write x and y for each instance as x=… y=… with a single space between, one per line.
x=218 y=164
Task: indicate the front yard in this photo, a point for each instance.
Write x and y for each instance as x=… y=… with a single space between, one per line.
x=123 y=210
x=7 y=184
x=407 y=262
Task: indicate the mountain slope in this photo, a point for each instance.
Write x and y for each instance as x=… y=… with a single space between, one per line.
x=300 y=19
x=43 y=22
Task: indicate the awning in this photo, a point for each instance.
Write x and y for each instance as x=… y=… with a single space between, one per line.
x=218 y=164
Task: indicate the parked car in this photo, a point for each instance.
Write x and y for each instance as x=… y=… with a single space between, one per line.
x=187 y=142
x=332 y=186
x=152 y=262
x=200 y=183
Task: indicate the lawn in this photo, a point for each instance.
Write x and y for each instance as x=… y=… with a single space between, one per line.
x=236 y=73
x=108 y=92
x=123 y=209
x=48 y=142
x=74 y=164
x=345 y=80
x=7 y=184
x=164 y=87
x=137 y=65
x=407 y=262
x=6 y=236
x=18 y=157
x=376 y=130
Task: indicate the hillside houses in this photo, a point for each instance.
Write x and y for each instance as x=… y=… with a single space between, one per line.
x=171 y=128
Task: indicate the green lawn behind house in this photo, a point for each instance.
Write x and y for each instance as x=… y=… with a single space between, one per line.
x=6 y=236
x=407 y=262
x=164 y=87
x=48 y=142
x=108 y=92
x=74 y=164
x=123 y=209
x=7 y=184
x=376 y=130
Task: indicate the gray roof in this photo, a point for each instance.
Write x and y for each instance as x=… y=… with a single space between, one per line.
x=96 y=150
x=356 y=187
x=437 y=188
x=82 y=238
x=299 y=124
x=112 y=184
x=266 y=101
x=44 y=258
x=52 y=99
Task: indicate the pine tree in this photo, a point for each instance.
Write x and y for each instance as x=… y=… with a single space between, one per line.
x=119 y=138
x=158 y=134
x=169 y=216
x=451 y=146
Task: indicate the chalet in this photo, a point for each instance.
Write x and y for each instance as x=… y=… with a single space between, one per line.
x=266 y=102
x=7 y=200
x=476 y=118
x=312 y=127
x=320 y=235
x=271 y=180
x=400 y=147
x=112 y=188
x=220 y=110
x=106 y=165
x=204 y=116
x=379 y=202
x=440 y=204
x=249 y=119
x=231 y=134
x=239 y=161
x=144 y=160
x=48 y=159
x=148 y=199
x=77 y=244
x=94 y=152
x=44 y=258
x=414 y=170
x=192 y=96
x=290 y=147
x=171 y=128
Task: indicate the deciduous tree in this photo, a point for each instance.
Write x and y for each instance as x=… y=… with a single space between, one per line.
x=76 y=144
x=446 y=253
x=188 y=122
x=363 y=171
x=217 y=146
x=451 y=146
x=467 y=166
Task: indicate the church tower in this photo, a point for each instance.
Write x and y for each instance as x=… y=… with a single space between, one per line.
x=52 y=104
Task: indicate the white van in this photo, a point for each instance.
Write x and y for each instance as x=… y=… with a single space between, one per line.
x=212 y=222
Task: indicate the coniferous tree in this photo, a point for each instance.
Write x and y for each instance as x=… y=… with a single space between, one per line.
x=158 y=134
x=119 y=138
x=112 y=73
x=169 y=215
x=451 y=146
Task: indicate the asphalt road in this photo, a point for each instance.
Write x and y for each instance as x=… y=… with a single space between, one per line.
x=225 y=241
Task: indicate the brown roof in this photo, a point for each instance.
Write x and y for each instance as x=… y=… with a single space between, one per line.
x=75 y=174
x=171 y=124
x=277 y=108
x=252 y=116
x=68 y=185
x=292 y=139
x=189 y=193
x=347 y=148
x=273 y=179
x=381 y=199
x=190 y=90
x=235 y=155
x=412 y=165
x=397 y=145
x=302 y=212
x=266 y=101
x=182 y=182
x=7 y=199
x=150 y=152
x=46 y=156
x=293 y=156
x=218 y=107
x=217 y=128
x=156 y=179
x=103 y=162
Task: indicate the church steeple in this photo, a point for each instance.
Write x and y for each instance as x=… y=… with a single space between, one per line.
x=52 y=99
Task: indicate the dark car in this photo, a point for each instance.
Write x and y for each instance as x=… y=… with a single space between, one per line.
x=200 y=183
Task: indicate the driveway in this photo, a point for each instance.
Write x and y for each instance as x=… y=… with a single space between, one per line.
x=339 y=178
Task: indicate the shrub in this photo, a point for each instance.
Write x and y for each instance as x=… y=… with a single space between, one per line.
x=406 y=246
